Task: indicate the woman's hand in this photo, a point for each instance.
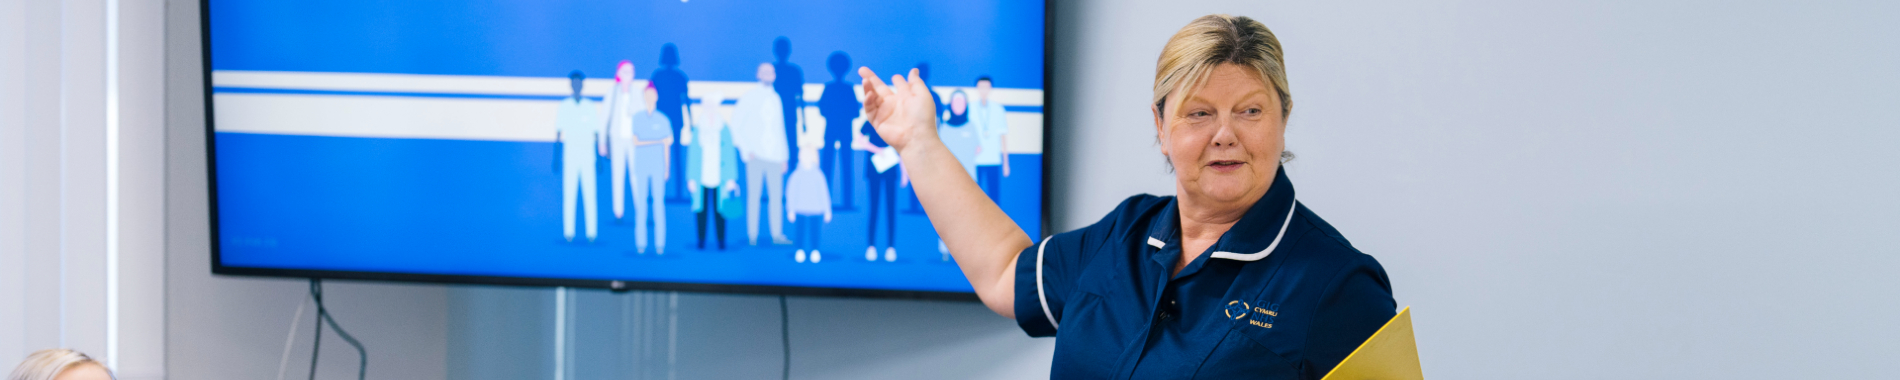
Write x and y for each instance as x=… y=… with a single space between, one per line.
x=903 y=111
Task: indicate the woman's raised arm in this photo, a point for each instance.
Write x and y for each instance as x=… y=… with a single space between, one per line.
x=983 y=239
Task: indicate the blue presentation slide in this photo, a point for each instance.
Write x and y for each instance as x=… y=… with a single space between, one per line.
x=703 y=142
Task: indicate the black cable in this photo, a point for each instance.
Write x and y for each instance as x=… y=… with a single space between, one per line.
x=323 y=316
x=316 y=342
x=785 y=334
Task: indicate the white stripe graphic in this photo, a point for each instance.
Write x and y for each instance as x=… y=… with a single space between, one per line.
x=439 y=106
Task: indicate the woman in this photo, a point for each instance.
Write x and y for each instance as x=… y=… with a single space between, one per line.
x=621 y=101
x=60 y=364
x=880 y=176
x=1231 y=278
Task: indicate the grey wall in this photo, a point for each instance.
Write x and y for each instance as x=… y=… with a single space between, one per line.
x=81 y=181
x=1631 y=189
x=1561 y=190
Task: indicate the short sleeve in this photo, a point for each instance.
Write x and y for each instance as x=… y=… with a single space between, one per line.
x=1357 y=303
x=1046 y=272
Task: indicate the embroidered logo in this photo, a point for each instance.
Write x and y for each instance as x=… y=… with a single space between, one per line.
x=1263 y=315
x=1237 y=309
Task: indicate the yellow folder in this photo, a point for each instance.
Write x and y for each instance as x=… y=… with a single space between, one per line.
x=1390 y=353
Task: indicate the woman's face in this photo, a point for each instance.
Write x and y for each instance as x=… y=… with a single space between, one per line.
x=624 y=73
x=958 y=104
x=1224 y=139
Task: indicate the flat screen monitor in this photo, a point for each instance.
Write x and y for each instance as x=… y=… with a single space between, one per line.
x=703 y=145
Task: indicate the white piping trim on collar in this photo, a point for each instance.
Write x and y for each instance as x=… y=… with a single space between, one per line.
x=1039 y=294
x=1263 y=253
x=1157 y=242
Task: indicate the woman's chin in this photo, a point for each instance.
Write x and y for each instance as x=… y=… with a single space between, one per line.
x=1225 y=192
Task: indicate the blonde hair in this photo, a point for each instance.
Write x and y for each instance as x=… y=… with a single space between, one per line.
x=49 y=363
x=1212 y=40
x=1191 y=55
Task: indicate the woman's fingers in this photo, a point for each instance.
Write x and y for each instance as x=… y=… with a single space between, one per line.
x=872 y=85
x=917 y=84
x=903 y=87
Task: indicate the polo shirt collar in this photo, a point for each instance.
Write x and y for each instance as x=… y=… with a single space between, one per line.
x=1256 y=235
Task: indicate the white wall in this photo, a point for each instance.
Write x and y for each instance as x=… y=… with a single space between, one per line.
x=1561 y=190
x=228 y=327
x=1588 y=190
x=81 y=196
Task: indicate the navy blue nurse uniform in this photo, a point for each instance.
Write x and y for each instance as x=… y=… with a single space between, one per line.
x=1281 y=295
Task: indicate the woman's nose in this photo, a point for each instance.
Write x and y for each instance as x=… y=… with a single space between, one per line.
x=1224 y=134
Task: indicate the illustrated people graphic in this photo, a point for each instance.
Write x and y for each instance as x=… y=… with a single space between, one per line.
x=756 y=122
x=960 y=137
x=809 y=197
x=839 y=106
x=712 y=168
x=653 y=144
x=621 y=102
x=992 y=126
x=577 y=130
x=790 y=85
x=880 y=177
x=670 y=83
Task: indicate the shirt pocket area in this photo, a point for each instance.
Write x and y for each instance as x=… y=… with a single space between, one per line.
x=1240 y=357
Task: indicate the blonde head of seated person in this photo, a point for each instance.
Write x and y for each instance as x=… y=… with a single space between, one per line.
x=60 y=364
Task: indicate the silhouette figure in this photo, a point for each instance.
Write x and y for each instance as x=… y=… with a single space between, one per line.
x=670 y=82
x=839 y=105
x=790 y=86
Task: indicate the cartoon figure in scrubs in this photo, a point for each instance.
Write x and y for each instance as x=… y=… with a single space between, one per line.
x=577 y=130
x=620 y=109
x=653 y=140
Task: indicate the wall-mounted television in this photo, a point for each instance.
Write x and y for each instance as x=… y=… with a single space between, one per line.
x=701 y=145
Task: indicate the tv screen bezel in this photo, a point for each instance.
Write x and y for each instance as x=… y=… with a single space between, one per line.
x=218 y=267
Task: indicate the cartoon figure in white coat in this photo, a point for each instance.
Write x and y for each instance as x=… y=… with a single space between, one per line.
x=621 y=102
x=577 y=131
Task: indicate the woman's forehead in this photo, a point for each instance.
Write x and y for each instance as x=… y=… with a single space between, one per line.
x=1227 y=84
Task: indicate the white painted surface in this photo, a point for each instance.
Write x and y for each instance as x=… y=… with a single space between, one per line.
x=62 y=133
x=1563 y=190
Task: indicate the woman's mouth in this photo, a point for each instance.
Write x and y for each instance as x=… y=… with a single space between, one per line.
x=1225 y=165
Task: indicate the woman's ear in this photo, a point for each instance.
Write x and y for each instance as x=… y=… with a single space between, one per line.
x=1161 y=128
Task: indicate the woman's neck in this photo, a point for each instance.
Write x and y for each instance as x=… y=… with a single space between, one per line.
x=1204 y=222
